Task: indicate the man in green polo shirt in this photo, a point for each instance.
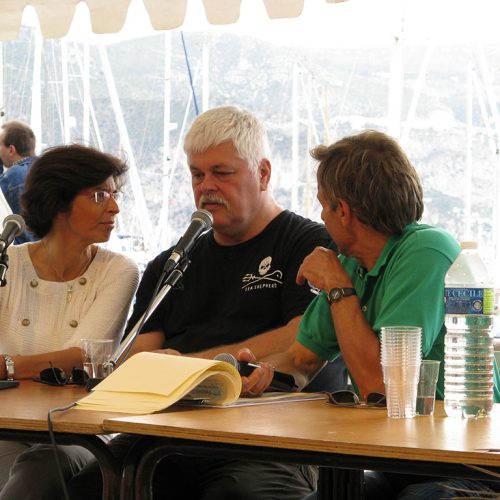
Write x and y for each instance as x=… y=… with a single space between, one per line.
x=390 y=270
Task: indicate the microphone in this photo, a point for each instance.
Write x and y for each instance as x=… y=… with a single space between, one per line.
x=282 y=382
x=13 y=226
x=201 y=221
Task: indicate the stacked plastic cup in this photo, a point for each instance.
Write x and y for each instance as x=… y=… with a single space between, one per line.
x=401 y=356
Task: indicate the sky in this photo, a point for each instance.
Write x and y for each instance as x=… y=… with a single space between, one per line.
x=353 y=23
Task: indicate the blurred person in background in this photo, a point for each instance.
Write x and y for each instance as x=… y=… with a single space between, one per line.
x=17 y=153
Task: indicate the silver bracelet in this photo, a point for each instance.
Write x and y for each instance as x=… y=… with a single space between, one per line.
x=9 y=367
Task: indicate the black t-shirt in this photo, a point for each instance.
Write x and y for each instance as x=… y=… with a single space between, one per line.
x=231 y=293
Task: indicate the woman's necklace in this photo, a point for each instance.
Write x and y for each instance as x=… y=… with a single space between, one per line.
x=60 y=276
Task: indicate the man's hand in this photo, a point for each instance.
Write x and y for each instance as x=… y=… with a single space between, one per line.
x=259 y=380
x=323 y=270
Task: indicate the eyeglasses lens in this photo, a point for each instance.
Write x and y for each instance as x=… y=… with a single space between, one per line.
x=79 y=376
x=343 y=398
x=53 y=376
x=376 y=399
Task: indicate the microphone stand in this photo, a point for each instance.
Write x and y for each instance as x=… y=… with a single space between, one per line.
x=174 y=276
x=4 y=265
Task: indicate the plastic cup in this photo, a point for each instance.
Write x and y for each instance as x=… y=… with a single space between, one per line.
x=401 y=390
x=400 y=345
x=426 y=390
x=95 y=353
x=400 y=355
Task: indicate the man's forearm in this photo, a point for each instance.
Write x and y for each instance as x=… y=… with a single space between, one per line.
x=359 y=345
x=283 y=362
x=297 y=361
x=265 y=344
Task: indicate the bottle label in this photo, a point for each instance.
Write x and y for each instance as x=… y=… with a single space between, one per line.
x=469 y=300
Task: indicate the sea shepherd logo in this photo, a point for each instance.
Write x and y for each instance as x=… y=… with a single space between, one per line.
x=266 y=278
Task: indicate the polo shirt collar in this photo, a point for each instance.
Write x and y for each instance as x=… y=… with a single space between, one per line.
x=388 y=248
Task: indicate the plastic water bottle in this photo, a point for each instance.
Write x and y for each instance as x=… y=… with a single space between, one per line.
x=468 y=360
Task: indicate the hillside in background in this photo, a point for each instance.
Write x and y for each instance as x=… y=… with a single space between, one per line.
x=350 y=87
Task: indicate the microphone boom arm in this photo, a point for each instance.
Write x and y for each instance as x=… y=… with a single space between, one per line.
x=174 y=276
x=4 y=265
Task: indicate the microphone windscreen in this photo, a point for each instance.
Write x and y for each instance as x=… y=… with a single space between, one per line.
x=228 y=358
x=205 y=216
x=18 y=220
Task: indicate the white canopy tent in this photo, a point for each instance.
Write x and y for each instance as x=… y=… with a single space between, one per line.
x=371 y=23
x=55 y=16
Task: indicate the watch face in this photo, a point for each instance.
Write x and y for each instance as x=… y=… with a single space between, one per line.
x=335 y=294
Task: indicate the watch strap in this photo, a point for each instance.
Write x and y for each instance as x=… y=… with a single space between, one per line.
x=337 y=294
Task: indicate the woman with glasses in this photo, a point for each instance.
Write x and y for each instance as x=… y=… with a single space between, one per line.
x=61 y=289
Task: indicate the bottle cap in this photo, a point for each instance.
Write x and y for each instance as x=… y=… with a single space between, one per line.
x=468 y=245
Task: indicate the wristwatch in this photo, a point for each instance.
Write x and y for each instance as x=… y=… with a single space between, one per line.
x=9 y=366
x=336 y=294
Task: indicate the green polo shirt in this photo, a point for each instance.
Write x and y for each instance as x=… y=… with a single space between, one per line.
x=404 y=288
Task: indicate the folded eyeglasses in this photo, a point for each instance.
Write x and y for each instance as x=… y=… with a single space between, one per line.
x=349 y=398
x=57 y=376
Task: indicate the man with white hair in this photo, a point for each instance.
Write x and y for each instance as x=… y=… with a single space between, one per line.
x=239 y=291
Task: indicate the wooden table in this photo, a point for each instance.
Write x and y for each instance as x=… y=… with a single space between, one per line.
x=23 y=417
x=308 y=432
x=315 y=433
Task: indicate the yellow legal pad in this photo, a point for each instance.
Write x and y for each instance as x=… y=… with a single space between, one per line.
x=149 y=382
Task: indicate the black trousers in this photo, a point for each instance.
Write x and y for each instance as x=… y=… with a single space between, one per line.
x=196 y=478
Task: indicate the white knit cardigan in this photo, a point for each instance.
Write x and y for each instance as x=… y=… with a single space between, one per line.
x=36 y=317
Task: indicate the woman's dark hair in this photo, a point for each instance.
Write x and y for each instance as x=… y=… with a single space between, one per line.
x=58 y=175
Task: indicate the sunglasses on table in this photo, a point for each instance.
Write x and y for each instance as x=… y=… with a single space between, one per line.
x=57 y=376
x=351 y=399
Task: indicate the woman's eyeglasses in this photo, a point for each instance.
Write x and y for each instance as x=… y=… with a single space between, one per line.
x=57 y=376
x=104 y=196
x=349 y=398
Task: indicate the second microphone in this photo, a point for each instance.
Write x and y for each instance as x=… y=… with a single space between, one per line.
x=282 y=382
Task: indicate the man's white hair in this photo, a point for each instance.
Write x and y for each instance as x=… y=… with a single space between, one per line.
x=229 y=123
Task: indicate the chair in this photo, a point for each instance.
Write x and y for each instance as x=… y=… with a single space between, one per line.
x=333 y=377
